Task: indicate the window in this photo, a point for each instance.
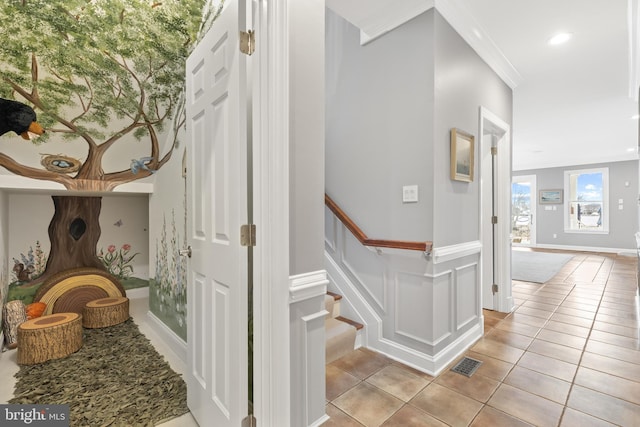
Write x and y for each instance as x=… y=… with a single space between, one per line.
x=587 y=200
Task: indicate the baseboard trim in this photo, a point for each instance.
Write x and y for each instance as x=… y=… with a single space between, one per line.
x=320 y=421
x=175 y=343
x=432 y=365
x=621 y=251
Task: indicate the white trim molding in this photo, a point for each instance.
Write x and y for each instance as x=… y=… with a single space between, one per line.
x=490 y=123
x=619 y=251
x=633 y=16
x=307 y=285
x=459 y=17
x=432 y=365
x=177 y=344
x=271 y=86
x=449 y=253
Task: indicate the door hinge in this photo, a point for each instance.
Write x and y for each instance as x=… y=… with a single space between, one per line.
x=248 y=235
x=494 y=288
x=494 y=219
x=247 y=42
x=494 y=151
x=249 y=421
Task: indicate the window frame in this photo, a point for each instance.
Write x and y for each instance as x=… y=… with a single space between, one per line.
x=569 y=198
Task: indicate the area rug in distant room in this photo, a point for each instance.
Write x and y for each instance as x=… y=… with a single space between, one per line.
x=117 y=378
x=537 y=267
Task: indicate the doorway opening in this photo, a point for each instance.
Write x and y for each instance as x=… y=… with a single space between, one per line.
x=495 y=202
x=523 y=210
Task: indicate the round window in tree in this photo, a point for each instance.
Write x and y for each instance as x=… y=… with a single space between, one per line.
x=77 y=228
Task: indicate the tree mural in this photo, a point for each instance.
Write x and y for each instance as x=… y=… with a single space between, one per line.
x=102 y=73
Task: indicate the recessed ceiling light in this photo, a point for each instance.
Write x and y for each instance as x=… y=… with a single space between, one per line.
x=631 y=150
x=635 y=117
x=559 y=38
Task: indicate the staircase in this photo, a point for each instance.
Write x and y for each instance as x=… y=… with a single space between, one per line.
x=340 y=332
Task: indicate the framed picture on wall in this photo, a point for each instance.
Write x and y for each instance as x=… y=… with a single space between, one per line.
x=462 y=156
x=550 y=197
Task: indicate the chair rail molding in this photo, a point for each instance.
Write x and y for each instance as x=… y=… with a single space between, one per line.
x=449 y=253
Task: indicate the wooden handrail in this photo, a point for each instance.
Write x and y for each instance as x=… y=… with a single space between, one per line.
x=378 y=243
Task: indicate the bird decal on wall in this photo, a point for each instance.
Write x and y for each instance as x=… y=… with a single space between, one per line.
x=18 y=117
x=137 y=164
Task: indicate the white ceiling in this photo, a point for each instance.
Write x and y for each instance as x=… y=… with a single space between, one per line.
x=572 y=102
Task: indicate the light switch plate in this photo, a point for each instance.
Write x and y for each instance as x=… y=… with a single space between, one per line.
x=410 y=194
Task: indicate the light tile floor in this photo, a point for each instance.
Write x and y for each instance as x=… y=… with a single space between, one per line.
x=568 y=355
x=138 y=309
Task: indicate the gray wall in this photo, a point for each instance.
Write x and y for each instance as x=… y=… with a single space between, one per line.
x=463 y=83
x=622 y=223
x=390 y=107
x=379 y=126
x=306 y=161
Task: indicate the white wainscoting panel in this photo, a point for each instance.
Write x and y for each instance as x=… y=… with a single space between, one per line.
x=307 y=337
x=414 y=307
x=423 y=307
x=330 y=230
x=443 y=307
x=467 y=295
x=420 y=310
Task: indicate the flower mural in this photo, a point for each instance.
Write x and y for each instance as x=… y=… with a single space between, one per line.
x=118 y=262
x=168 y=290
x=30 y=266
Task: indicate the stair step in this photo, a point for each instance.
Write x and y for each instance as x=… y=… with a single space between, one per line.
x=330 y=306
x=340 y=339
x=353 y=323
x=341 y=333
x=335 y=296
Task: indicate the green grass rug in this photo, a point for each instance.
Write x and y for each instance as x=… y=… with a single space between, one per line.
x=117 y=378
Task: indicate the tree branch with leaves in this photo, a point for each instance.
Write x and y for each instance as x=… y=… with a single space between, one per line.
x=102 y=72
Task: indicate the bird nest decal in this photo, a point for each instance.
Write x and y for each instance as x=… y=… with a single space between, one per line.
x=60 y=164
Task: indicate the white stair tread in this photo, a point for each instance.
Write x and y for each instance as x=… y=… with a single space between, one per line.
x=340 y=339
x=329 y=303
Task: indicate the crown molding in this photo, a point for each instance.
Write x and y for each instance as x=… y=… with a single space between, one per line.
x=459 y=17
x=375 y=18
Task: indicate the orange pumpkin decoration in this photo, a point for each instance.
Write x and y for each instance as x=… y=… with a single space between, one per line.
x=35 y=309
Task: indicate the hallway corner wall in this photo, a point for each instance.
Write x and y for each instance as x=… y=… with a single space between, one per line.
x=306 y=212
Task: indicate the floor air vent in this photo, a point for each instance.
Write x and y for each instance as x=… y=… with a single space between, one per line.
x=467 y=366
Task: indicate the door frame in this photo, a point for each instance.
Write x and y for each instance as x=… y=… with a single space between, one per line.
x=270 y=157
x=490 y=123
x=532 y=208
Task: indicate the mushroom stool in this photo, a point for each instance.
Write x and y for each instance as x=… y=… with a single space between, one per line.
x=104 y=312
x=53 y=336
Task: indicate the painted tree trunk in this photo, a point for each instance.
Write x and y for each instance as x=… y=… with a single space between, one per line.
x=73 y=233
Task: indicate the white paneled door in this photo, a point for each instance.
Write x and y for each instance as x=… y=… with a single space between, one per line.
x=217 y=378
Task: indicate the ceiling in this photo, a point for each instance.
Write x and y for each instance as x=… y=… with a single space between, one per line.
x=571 y=102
